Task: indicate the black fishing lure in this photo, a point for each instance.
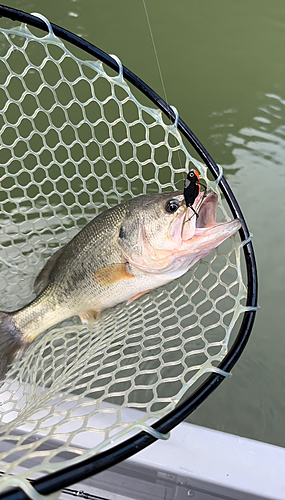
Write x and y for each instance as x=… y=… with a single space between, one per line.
x=192 y=188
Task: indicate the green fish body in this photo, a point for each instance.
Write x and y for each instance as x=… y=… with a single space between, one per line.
x=121 y=254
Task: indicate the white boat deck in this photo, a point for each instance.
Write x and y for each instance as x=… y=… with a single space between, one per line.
x=194 y=463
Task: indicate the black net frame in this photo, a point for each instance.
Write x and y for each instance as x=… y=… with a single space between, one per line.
x=72 y=474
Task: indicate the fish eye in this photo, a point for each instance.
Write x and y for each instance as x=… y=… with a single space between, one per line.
x=171 y=206
x=191 y=174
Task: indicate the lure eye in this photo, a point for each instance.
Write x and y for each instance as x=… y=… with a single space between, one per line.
x=191 y=174
x=171 y=206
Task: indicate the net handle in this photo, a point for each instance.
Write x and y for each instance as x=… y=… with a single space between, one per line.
x=72 y=474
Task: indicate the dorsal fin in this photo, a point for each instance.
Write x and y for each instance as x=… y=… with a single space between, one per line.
x=43 y=278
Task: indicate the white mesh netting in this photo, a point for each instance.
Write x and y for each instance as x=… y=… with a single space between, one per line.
x=75 y=141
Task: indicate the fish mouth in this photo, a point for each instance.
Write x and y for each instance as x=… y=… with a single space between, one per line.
x=204 y=226
x=207 y=211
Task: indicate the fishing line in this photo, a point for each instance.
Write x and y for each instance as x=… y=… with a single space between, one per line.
x=157 y=62
x=155 y=51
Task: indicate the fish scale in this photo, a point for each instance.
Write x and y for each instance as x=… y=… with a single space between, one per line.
x=121 y=254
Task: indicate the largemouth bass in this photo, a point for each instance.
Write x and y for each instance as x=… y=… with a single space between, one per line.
x=121 y=254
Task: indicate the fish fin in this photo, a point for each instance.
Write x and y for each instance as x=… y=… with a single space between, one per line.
x=43 y=278
x=89 y=316
x=12 y=342
x=106 y=276
x=137 y=296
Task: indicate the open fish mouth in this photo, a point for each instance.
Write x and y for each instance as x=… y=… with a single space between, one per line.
x=205 y=224
x=207 y=211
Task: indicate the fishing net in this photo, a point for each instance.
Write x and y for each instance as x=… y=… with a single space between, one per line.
x=76 y=139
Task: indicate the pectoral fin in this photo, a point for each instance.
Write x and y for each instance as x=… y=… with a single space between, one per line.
x=109 y=275
x=89 y=316
x=135 y=297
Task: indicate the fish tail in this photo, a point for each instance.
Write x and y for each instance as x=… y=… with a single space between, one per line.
x=12 y=342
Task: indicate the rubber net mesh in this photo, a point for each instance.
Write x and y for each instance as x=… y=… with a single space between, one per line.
x=75 y=140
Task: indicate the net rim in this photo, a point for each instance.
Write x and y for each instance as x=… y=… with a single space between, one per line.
x=72 y=474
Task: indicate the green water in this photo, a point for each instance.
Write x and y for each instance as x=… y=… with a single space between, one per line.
x=223 y=68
